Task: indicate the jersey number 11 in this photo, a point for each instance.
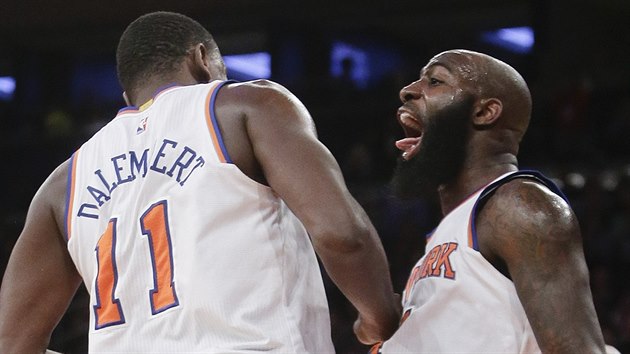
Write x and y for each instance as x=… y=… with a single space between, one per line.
x=154 y=224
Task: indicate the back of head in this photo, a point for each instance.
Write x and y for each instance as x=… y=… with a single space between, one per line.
x=500 y=80
x=155 y=44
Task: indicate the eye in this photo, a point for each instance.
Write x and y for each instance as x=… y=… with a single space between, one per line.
x=433 y=81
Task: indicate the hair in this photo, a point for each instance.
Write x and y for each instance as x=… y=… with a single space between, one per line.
x=155 y=44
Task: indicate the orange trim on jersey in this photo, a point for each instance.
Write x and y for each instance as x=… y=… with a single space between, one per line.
x=471 y=242
x=212 y=128
x=71 y=184
x=376 y=348
x=470 y=218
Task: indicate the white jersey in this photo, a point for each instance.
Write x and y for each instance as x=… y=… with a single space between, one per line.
x=179 y=250
x=455 y=301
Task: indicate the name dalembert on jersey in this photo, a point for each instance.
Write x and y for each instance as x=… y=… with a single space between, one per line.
x=128 y=166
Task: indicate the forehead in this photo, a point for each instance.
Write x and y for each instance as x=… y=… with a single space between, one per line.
x=460 y=64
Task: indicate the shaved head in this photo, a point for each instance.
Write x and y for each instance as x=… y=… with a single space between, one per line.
x=467 y=112
x=488 y=77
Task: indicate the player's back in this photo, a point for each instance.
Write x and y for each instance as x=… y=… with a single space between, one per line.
x=180 y=250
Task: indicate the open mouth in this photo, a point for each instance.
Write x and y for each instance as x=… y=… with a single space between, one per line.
x=413 y=134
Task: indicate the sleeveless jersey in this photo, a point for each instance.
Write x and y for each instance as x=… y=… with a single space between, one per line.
x=455 y=301
x=179 y=250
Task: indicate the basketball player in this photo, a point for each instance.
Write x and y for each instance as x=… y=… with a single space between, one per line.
x=504 y=271
x=188 y=218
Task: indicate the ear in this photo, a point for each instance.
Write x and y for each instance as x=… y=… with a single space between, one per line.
x=126 y=98
x=487 y=111
x=200 y=63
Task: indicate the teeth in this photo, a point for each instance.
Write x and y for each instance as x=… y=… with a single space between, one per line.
x=409 y=121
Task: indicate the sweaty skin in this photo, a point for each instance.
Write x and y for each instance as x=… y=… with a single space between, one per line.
x=527 y=232
x=254 y=117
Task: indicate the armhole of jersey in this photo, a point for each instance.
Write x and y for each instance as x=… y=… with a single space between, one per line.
x=213 y=126
x=429 y=236
x=72 y=167
x=528 y=174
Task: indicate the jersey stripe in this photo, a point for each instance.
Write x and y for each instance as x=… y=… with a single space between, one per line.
x=213 y=126
x=489 y=189
x=472 y=231
x=72 y=168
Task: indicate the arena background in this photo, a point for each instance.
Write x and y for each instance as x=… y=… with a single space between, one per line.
x=346 y=60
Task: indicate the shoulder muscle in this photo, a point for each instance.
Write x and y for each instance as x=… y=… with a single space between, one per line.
x=524 y=212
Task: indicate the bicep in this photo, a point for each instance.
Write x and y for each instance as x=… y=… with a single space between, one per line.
x=536 y=235
x=297 y=165
x=40 y=279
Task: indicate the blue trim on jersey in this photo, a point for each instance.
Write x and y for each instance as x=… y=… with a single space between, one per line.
x=127 y=108
x=530 y=174
x=155 y=94
x=68 y=195
x=164 y=87
x=214 y=120
x=430 y=233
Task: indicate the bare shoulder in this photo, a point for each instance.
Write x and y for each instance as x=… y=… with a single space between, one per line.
x=263 y=98
x=531 y=233
x=520 y=217
x=253 y=117
x=254 y=93
x=529 y=205
x=257 y=89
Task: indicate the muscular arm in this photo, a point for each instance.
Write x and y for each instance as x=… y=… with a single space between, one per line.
x=535 y=234
x=306 y=176
x=40 y=279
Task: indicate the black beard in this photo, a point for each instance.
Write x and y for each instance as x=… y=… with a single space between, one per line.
x=441 y=155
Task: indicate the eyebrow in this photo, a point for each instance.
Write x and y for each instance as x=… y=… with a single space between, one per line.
x=432 y=65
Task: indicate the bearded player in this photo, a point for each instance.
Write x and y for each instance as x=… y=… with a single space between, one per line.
x=504 y=271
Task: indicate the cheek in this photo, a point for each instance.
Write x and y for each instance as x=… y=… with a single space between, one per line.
x=449 y=98
x=456 y=95
x=438 y=103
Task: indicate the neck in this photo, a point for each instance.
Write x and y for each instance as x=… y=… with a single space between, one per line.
x=472 y=178
x=149 y=88
x=145 y=94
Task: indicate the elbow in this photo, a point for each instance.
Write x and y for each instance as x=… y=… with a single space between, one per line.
x=341 y=239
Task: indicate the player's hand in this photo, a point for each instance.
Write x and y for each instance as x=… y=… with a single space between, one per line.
x=370 y=332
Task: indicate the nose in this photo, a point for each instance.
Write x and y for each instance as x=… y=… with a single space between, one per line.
x=410 y=92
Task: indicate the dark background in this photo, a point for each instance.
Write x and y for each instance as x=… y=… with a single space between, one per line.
x=61 y=55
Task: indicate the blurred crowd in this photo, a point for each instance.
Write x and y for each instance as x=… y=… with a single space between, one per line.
x=578 y=137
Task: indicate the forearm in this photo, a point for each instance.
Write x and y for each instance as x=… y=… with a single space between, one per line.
x=359 y=269
x=22 y=344
x=13 y=345
x=23 y=329
x=37 y=288
x=29 y=310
